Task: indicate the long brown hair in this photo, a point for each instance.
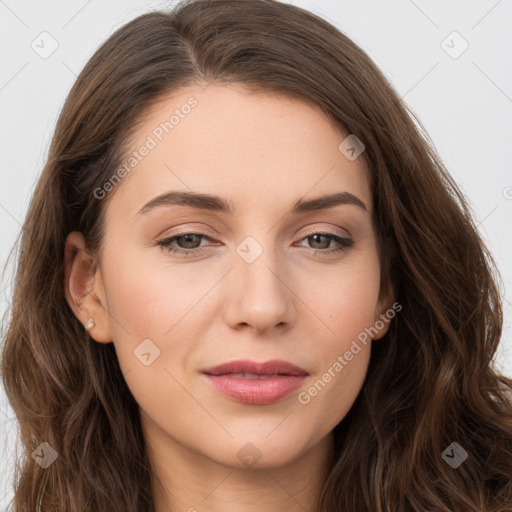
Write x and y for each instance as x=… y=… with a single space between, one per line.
x=431 y=380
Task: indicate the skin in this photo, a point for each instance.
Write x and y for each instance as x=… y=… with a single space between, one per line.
x=263 y=153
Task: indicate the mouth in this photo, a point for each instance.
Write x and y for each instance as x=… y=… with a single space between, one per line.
x=250 y=375
x=255 y=383
x=245 y=368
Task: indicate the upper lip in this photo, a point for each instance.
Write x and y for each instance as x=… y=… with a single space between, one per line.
x=275 y=366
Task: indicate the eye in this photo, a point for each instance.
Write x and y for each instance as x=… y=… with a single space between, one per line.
x=315 y=238
x=190 y=243
x=186 y=239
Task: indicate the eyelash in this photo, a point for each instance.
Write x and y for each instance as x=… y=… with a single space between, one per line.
x=345 y=243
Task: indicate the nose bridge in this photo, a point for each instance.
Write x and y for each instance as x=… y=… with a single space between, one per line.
x=259 y=263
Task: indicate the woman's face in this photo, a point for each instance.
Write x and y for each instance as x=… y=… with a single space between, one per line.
x=265 y=281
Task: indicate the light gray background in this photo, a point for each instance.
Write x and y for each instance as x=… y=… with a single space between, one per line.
x=465 y=104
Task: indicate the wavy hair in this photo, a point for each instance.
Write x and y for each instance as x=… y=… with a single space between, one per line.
x=431 y=380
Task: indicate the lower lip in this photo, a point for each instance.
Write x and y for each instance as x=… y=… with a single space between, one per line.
x=256 y=391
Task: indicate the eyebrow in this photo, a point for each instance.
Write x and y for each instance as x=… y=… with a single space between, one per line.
x=219 y=204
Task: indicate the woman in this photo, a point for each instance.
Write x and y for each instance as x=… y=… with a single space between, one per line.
x=247 y=282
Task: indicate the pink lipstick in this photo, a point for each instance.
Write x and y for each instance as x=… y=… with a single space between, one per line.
x=256 y=383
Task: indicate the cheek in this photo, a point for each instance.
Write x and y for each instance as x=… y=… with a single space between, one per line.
x=147 y=297
x=347 y=299
x=347 y=305
x=140 y=309
x=156 y=301
x=343 y=353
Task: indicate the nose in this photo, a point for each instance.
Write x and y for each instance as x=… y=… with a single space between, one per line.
x=259 y=294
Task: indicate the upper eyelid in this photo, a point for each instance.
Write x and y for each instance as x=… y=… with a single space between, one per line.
x=315 y=229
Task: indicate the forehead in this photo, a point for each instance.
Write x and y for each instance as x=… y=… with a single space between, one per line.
x=259 y=151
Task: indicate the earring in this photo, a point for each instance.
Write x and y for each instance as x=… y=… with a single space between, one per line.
x=90 y=324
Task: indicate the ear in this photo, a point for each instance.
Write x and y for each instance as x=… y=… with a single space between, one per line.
x=84 y=288
x=385 y=310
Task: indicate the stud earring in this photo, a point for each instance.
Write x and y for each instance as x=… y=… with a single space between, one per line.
x=89 y=325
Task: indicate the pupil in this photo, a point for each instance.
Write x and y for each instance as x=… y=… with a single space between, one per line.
x=187 y=240
x=315 y=237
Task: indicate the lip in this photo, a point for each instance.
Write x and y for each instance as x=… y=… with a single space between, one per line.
x=256 y=391
x=266 y=368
